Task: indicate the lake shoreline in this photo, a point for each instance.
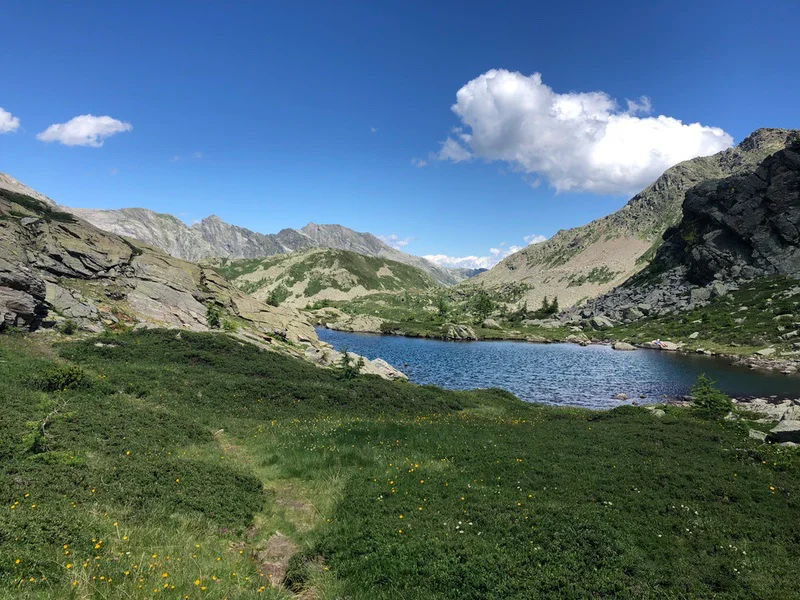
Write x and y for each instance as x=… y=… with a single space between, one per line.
x=786 y=366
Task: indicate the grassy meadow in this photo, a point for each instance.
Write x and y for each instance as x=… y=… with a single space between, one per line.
x=157 y=464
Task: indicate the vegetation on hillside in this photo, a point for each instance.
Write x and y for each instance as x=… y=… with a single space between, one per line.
x=762 y=313
x=321 y=270
x=155 y=464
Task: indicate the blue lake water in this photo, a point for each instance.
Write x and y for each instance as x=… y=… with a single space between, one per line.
x=565 y=374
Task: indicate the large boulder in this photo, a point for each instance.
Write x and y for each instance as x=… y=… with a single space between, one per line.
x=600 y=322
x=785 y=431
x=623 y=346
x=458 y=332
x=490 y=324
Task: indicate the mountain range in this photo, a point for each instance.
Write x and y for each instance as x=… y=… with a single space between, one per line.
x=214 y=238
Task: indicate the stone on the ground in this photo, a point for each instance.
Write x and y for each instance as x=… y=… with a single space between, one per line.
x=785 y=431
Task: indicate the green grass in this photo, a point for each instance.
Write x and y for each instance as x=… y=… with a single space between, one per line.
x=159 y=460
x=744 y=320
x=322 y=269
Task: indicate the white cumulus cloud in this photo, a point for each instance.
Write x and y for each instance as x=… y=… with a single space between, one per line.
x=487 y=261
x=8 y=122
x=395 y=240
x=534 y=238
x=84 y=130
x=577 y=141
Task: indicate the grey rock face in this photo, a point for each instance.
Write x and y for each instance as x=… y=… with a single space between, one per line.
x=745 y=226
x=733 y=229
x=52 y=263
x=456 y=332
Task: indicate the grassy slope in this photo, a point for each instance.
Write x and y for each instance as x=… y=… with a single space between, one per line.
x=322 y=269
x=183 y=456
x=741 y=322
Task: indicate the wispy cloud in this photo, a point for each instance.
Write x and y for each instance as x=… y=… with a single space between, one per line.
x=8 y=122
x=576 y=141
x=395 y=241
x=193 y=155
x=113 y=171
x=419 y=163
x=373 y=130
x=534 y=239
x=84 y=130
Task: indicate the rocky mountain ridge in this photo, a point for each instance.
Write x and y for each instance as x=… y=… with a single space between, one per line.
x=588 y=261
x=214 y=238
x=732 y=230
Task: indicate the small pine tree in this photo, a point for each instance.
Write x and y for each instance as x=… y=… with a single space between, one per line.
x=708 y=402
x=213 y=316
x=441 y=305
x=347 y=369
x=554 y=306
x=482 y=306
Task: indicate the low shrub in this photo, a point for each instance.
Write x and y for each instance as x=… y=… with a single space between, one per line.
x=59 y=378
x=707 y=401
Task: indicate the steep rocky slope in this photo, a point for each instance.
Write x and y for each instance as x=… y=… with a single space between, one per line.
x=588 y=261
x=302 y=278
x=56 y=267
x=214 y=238
x=733 y=230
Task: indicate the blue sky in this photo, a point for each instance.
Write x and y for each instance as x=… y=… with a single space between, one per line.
x=274 y=114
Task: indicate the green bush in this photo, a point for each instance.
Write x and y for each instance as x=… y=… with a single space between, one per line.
x=213 y=316
x=69 y=327
x=59 y=378
x=707 y=401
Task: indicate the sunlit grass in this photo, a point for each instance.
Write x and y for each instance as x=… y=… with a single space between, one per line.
x=172 y=471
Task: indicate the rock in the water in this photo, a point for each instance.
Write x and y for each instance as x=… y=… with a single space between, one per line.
x=621 y=396
x=623 y=346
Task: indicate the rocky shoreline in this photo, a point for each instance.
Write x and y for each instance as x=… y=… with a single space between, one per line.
x=464 y=333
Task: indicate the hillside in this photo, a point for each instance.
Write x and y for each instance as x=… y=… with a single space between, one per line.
x=302 y=278
x=588 y=261
x=57 y=270
x=139 y=465
x=732 y=231
x=214 y=238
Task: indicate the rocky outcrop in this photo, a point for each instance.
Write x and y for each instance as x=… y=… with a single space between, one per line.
x=55 y=266
x=733 y=230
x=457 y=332
x=326 y=356
x=588 y=261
